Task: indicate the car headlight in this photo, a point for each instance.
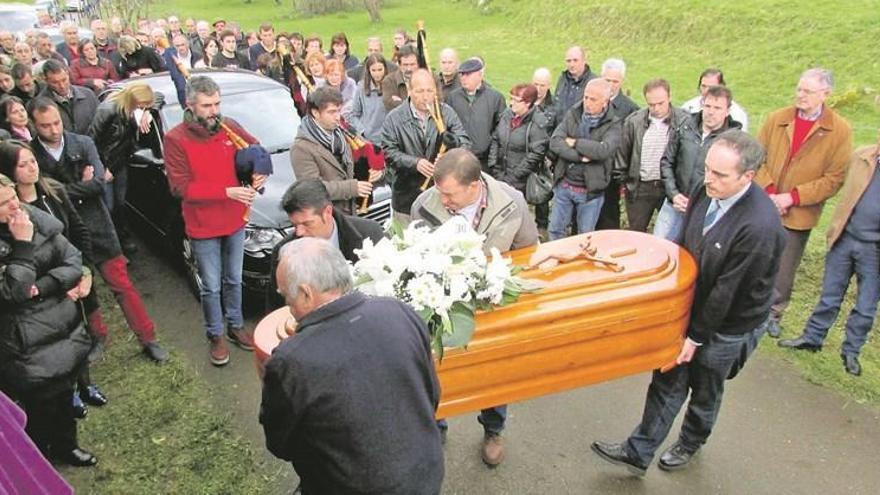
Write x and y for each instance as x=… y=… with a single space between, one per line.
x=258 y=242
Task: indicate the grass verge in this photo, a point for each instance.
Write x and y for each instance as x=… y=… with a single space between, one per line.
x=161 y=432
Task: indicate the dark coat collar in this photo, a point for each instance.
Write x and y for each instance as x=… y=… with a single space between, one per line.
x=331 y=310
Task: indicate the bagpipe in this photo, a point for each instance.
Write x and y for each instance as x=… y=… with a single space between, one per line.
x=435 y=109
x=250 y=159
x=366 y=157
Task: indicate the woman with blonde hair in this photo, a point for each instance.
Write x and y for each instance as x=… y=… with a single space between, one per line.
x=335 y=77
x=119 y=122
x=135 y=59
x=315 y=64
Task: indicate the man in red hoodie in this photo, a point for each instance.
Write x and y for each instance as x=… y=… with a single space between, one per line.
x=200 y=163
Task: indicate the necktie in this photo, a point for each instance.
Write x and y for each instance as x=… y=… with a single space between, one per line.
x=711 y=215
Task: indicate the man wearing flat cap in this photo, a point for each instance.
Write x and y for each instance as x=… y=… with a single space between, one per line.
x=219 y=26
x=478 y=106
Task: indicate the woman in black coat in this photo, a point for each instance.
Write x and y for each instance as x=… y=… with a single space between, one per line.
x=119 y=124
x=17 y=162
x=520 y=140
x=43 y=343
x=135 y=59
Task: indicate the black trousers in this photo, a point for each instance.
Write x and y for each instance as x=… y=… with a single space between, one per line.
x=50 y=422
x=609 y=216
x=642 y=202
x=703 y=378
x=542 y=215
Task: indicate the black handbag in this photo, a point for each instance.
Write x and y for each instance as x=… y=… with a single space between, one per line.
x=539 y=187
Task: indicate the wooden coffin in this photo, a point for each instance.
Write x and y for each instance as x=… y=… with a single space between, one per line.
x=590 y=323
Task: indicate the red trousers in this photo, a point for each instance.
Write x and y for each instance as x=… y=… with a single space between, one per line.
x=115 y=274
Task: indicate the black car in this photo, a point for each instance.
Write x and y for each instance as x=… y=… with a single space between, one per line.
x=264 y=108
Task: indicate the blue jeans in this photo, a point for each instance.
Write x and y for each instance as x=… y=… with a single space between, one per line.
x=565 y=203
x=492 y=419
x=848 y=255
x=669 y=222
x=703 y=379
x=219 y=260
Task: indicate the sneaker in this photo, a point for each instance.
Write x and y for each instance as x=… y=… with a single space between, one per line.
x=492 y=450
x=241 y=337
x=155 y=352
x=219 y=351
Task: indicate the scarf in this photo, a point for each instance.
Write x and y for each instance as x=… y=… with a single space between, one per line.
x=333 y=141
x=589 y=122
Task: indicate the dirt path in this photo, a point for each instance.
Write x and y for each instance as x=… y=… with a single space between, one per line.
x=776 y=433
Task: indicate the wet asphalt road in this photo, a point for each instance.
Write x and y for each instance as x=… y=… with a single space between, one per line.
x=776 y=433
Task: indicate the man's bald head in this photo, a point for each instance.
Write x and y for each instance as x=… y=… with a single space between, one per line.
x=448 y=61
x=422 y=90
x=541 y=80
x=576 y=61
x=596 y=96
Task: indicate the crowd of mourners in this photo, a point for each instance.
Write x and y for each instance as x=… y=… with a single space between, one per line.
x=553 y=161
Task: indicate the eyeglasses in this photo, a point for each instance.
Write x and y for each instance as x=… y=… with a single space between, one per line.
x=810 y=92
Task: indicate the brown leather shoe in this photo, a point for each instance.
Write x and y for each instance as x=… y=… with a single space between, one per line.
x=492 y=450
x=241 y=337
x=219 y=351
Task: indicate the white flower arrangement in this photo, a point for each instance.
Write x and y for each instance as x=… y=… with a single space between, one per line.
x=443 y=274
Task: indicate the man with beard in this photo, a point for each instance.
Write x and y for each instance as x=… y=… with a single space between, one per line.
x=200 y=163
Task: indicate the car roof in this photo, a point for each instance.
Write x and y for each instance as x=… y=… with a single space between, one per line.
x=231 y=82
x=16 y=6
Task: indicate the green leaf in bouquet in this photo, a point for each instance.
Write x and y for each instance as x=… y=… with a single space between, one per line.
x=463 y=324
x=395 y=229
x=437 y=346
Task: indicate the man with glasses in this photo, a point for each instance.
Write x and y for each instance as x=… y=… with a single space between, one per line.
x=808 y=148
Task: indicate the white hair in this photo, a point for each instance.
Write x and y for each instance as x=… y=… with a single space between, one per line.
x=824 y=76
x=316 y=263
x=614 y=64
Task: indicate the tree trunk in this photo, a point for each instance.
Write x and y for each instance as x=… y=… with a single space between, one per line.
x=373 y=8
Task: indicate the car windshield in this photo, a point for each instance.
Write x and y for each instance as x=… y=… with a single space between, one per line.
x=267 y=115
x=18 y=20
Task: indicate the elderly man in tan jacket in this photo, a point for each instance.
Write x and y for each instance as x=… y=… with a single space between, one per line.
x=320 y=151
x=808 y=146
x=853 y=248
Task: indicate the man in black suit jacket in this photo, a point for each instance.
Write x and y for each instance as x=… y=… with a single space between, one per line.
x=73 y=160
x=311 y=212
x=734 y=233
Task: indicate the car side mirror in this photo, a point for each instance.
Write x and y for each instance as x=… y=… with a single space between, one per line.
x=144 y=157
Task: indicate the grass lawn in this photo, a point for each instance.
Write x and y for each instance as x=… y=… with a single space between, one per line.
x=161 y=432
x=167 y=440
